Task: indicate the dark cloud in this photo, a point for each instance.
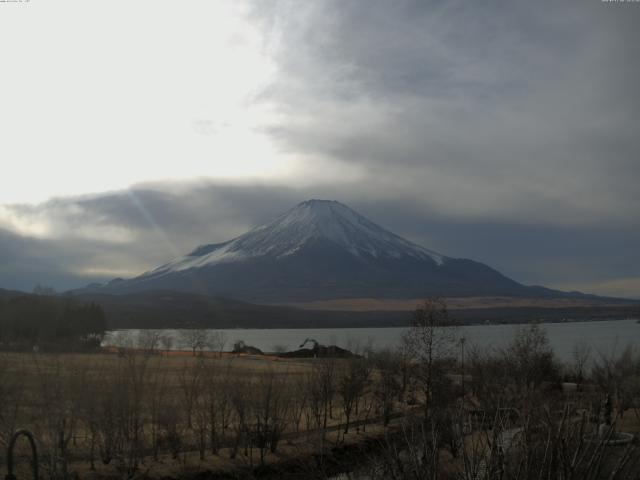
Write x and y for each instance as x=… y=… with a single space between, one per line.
x=26 y=262
x=494 y=110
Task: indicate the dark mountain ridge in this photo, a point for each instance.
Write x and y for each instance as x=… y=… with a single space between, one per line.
x=318 y=250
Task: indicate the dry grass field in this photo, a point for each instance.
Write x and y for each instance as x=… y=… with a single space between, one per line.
x=168 y=414
x=454 y=303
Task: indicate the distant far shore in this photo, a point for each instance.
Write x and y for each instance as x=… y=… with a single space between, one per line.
x=125 y=316
x=454 y=303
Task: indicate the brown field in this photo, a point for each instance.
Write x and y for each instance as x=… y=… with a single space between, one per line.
x=133 y=413
x=68 y=397
x=453 y=303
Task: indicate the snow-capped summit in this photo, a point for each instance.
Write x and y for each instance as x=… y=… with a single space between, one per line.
x=307 y=222
x=320 y=249
x=338 y=223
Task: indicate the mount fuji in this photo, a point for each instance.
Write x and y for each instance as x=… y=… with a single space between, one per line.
x=322 y=249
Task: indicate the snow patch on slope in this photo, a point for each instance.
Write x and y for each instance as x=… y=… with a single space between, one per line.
x=220 y=255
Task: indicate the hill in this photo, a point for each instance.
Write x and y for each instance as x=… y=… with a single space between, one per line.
x=323 y=250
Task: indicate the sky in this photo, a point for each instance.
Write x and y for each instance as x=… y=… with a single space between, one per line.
x=505 y=132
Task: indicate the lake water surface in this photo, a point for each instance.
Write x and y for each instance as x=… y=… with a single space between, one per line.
x=603 y=336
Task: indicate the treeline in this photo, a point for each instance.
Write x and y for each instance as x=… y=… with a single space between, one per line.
x=39 y=320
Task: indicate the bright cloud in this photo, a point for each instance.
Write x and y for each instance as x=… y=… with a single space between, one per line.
x=95 y=98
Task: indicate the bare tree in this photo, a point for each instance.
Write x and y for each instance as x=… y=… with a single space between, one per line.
x=314 y=393
x=490 y=380
x=619 y=376
x=321 y=388
x=148 y=340
x=171 y=425
x=513 y=376
x=89 y=410
x=529 y=361
x=195 y=339
x=109 y=434
x=200 y=419
x=351 y=384
x=386 y=384
x=190 y=379
x=217 y=340
x=167 y=342
x=429 y=341
x=12 y=391
x=197 y=401
x=217 y=386
x=157 y=391
x=580 y=355
x=327 y=376
x=299 y=400
x=271 y=404
x=132 y=410
x=241 y=404
x=123 y=341
x=60 y=406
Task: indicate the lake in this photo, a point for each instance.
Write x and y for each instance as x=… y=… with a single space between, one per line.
x=602 y=336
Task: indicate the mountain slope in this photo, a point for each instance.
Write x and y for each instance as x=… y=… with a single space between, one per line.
x=11 y=293
x=322 y=249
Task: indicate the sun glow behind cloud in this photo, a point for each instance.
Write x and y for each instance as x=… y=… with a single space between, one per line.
x=163 y=92
x=493 y=130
